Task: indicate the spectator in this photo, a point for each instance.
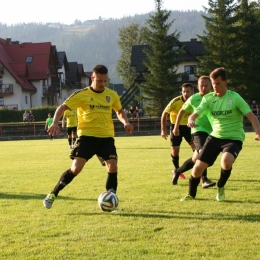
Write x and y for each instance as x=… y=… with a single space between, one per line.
x=25 y=117
x=137 y=112
x=31 y=117
x=254 y=107
x=132 y=112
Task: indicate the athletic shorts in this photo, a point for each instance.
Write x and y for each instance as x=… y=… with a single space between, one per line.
x=199 y=139
x=184 y=132
x=71 y=130
x=87 y=146
x=214 y=146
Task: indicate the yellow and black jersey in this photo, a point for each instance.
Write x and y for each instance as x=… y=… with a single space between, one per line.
x=71 y=118
x=94 y=111
x=173 y=109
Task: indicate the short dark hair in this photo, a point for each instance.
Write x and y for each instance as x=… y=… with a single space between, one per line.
x=187 y=85
x=219 y=72
x=100 y=69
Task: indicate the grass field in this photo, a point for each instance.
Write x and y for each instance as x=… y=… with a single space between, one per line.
x=152 y=223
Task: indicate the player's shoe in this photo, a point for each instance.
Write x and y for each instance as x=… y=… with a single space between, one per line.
x=175 y=177
x=71 y=146
x=187 y=198
x=206 y=183
x=221 y=194
x=47 y=202
x=182 y=176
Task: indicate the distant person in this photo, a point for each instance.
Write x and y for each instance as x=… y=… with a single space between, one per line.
x=254 y=107
x=172 y=110
x=25 y=117
x=132 y=112
x=227 y=109
x=48 y=124
x=70 y=117
x=137 y=112
x=95 y=130
x=31 y=117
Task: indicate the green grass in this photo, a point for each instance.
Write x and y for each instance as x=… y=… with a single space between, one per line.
x=152 y=224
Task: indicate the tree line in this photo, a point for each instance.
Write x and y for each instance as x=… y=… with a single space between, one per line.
x=231 y=40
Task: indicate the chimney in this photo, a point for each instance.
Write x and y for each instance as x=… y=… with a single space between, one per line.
x=193 y=39
x=8 y=40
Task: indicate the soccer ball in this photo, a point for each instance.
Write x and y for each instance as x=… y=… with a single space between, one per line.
x=108 y=201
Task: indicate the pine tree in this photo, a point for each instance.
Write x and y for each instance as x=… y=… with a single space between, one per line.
x=246 y=67
x=218 y=39
x=160 y=84
x=129 y=36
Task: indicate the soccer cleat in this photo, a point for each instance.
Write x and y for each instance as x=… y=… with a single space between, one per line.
x=71 y=146
x=221 y=194
x=175 y=177
x=187 y=197
x=112 y=190
x=182 y=176
x=47 y=202
x=206 y=183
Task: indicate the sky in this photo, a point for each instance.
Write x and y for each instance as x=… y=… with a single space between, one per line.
x=27 y=11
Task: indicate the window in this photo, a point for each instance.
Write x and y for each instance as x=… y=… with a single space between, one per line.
x=1 y=101
x=190 y=69
x=26 y=100
x=28 y=59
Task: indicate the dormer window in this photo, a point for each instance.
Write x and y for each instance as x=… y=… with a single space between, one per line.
x=29 y=59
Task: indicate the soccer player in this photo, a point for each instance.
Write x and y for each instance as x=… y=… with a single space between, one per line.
x=95 y=130
x=199 y=133
x=173 y=109
x=48 y=124
x=70 y=116
x=227 y=109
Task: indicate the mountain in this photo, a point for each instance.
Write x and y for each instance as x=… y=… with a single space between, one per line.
x=95 y=42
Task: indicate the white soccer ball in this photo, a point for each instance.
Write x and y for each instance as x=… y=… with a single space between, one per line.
x=108 y=201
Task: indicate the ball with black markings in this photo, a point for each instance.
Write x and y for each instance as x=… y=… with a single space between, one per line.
x=108 y=201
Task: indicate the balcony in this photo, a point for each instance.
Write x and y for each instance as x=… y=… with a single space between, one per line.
x=6 y=89
x=50 y=90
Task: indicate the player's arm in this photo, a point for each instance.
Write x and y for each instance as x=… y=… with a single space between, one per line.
x=255 y=123
x=164 y=118
x=177 y=122
x=54 y=128
x=63 y=121
x=124 y=120
x=191 y=120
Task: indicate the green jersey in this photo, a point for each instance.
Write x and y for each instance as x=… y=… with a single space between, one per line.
x=227 y=113
x=204 y=121
x=49 y=121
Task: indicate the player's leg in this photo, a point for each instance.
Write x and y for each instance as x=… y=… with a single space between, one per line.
x=69 y=133
x=206 y=157
x=84 y=150
x=107 y=151
x=231 y=150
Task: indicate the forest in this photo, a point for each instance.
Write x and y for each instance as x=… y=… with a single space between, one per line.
x=93 y=42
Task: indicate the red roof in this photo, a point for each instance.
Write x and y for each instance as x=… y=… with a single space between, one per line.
x=13 y=56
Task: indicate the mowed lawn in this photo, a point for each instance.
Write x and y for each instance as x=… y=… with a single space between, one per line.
x=152 y=223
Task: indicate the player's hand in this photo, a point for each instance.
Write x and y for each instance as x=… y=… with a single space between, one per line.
x=54 y=129
x=192 y=124
x=129 y=128
x=257 y=138
x=164 y=134
x=176 y=131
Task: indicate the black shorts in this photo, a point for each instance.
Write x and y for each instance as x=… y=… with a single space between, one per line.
x=199 y=139
x=184 y=132
x=87 y=146
x=214 y=146
x=71 y=130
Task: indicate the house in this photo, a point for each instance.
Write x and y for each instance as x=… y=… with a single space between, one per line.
x=36 y=74
x=188 y=67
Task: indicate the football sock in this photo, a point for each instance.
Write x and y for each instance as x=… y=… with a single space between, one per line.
x=175 y=161
x=69 y=140
x=187 y=165
x=224 y=175
x=193 y=185
x=64 y=180
x=111 y=182
x=205 y=173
